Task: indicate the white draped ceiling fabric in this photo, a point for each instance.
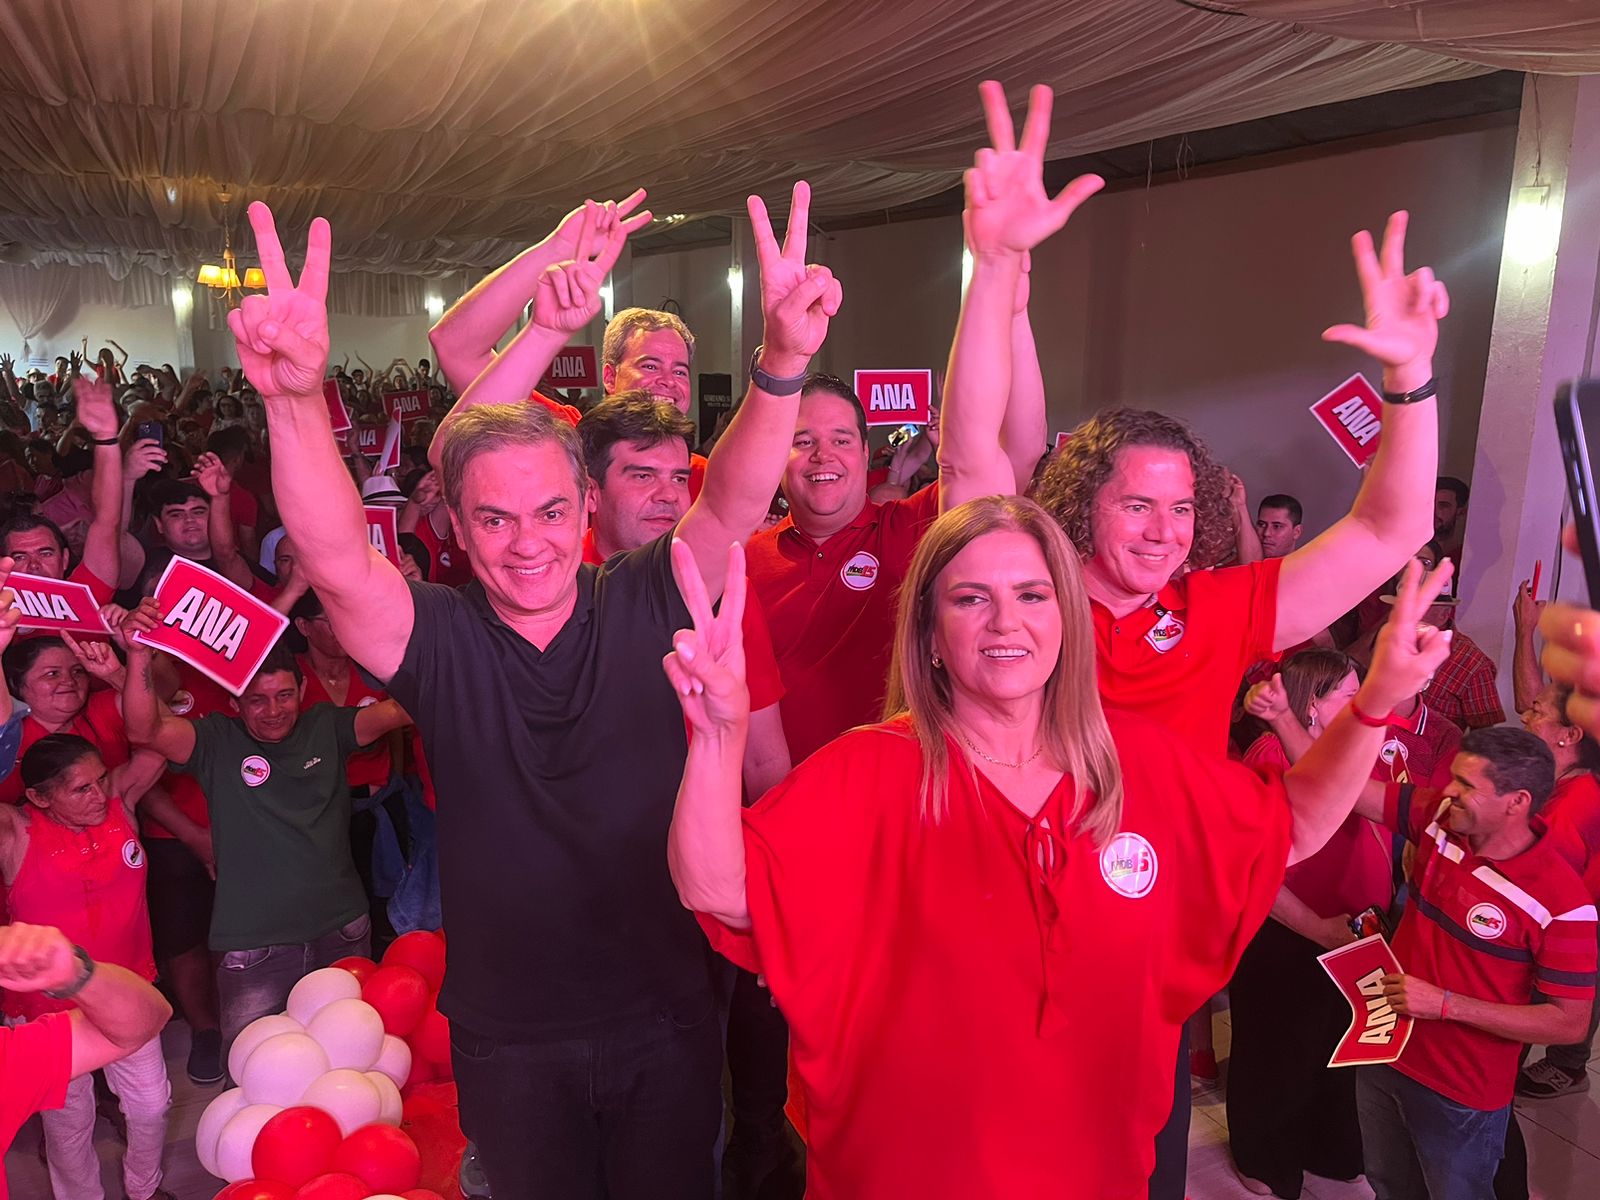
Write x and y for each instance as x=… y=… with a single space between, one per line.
x=445 y=135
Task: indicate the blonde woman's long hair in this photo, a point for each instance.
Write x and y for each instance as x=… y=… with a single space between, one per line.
x=1073 y=724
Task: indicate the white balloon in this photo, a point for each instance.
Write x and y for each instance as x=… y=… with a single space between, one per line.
x=390 y=1106
x=351 y=1031
x=394 y=1060
x=349 y=1097
x=319 y=989
x=239 y=1139
x=282 y=1068
x=252 y=1035
x=217 y=1114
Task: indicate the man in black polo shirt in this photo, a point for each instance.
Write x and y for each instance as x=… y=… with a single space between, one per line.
x=585 y=1039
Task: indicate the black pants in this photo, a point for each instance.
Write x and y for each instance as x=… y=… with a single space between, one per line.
x=629 y=1114
x=1170 y=1178
x=758 y=1060
x=1288 y=1113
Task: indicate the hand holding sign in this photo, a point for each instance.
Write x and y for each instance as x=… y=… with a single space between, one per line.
x=1364 y=972
x=797 y=298
x=1413 y=997
x=9 y=614
x=1008 y=211
x=1407 y=652
x=568 y=295
x=706 y=666
x=208 y=622
x=1403 y=311
x=283 y=336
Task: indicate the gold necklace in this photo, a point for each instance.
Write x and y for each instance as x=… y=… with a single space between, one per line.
x=1000 y=762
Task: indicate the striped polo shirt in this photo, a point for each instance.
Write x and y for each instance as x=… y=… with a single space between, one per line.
x=1493 y=930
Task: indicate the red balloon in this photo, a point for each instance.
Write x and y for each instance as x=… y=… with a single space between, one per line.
x=400 y=994
x=295 y=1146
x=361 y=968
x=433 y=1037
x=338 y=1185
x=421 y=951
x=382 y=1157
x=256 y=1189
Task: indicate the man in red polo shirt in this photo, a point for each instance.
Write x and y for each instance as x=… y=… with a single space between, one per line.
x=115 y=1013
x=1147 y=507
x=1497 y=914
x=40 y=548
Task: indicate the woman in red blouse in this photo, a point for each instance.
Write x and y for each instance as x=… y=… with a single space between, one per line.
x=987 y=917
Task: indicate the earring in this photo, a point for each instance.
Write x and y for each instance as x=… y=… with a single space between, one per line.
x=937 y=662
x=1561 y=742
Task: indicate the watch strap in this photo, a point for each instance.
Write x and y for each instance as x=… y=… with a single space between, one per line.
x=85 y=973
x=1431 y=388
x=774 y=385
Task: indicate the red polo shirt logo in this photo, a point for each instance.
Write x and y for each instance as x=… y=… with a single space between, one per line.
x=1165 y=633
x=1486 y=921
x=133 y=853
x=860 y=572
x=1128 y=864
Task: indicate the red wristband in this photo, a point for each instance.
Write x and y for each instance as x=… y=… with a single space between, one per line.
x=1370 y=722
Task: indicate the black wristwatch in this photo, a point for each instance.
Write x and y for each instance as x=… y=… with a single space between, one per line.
x=1431 y=388
x=85 y=973
x=771 y=384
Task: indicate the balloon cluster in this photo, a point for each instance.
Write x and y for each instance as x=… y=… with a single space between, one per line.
x=317 y=1109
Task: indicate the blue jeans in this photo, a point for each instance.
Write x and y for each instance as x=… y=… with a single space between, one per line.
x=254 y=983
x=631 y=1113
x=1420 y=1145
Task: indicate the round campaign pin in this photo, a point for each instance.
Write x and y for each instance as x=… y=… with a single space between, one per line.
x=861 y=572
x=254 y=770
x=1128 y=864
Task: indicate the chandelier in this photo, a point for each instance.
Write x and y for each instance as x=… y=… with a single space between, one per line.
x=223 y=278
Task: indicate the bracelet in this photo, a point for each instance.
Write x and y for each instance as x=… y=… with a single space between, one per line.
x=1370 y=722
x=1427 y=390
x=1444 y=1005
x=85 y=973
x=110 y=441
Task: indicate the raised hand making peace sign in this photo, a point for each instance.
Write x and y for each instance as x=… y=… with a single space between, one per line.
x=568 y=295
x=1008 y=210
x=797 y=298
x=1403 y=311
x=706 y=666
x=283 y=336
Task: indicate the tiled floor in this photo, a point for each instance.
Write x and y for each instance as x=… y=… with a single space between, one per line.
x=1563 y=1144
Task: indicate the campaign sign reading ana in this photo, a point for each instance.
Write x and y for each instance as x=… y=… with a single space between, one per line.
x=1352 y=414
x=369 y=439
x=219 y=629
x=383 y=530
x=406 y=406
x=1377 y=1033
x=338 y=415
x=573 y=367
x=55 y=604
x=895 y=397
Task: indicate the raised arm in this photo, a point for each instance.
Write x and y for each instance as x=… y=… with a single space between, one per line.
x=705 y=844
x=148 y=721
x=375 y=720
x=1331 y=776
x=1527 y=677
x=1024 y=431
x=1007 y=213
x=102 y=545
x=213 y=477
x=283 y=347
x=1246 y=541
x=465 y=337
x=797 y=301
x=1393 y=512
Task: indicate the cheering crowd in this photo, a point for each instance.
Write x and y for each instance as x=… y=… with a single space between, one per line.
x=917 y=807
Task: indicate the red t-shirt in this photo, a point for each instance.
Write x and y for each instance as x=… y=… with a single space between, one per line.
x=103 y=591
x=35 y=1068
x=197 y=695
x=956 y=1012
x=364 y=768
x=100 y=721
x=1179 y=660
x=831 y=608
x=243 y=507
x=1354 y=869
x=447 y=560
x=1420 y=750
x=697 y=475
x=1573 y=817
x=1491 y=929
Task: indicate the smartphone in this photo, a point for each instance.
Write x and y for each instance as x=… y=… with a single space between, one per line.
x=151 y=430
x=1578 y=428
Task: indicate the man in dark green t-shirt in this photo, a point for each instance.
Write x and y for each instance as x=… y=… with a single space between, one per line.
x=289 y=899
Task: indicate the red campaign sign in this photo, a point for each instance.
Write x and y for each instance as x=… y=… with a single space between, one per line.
x=573 y=367
x=406 y=406
x=55 y=605
x=383 y=530
x=389 y=456
x=1377 y=1033
x=1061 y=440
x=338 y=415
x=895 y=397
x=369 y=439
x=219 y=629
x=1352 y=414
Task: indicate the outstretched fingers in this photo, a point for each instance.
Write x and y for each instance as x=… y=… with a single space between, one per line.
x=692 y=587
x=794 y=237
x=319 y=253
x=1036 y=128
x=269 y=248
x=997 y=116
